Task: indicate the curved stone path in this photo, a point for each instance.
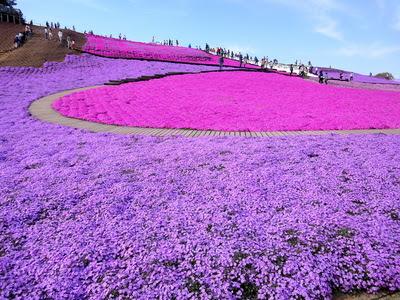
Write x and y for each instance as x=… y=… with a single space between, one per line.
x=42 y=110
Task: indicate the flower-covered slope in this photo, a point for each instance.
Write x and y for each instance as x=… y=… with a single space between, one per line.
x=235 y=101
x=110 y=47
x=335 y=74
x=87 y=215
x=102 y=216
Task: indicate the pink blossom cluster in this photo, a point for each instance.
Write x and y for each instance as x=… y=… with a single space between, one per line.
x=235 y=101
x=117 y=48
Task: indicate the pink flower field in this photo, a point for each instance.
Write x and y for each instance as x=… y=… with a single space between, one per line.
x=234 y=101
x=115 y=48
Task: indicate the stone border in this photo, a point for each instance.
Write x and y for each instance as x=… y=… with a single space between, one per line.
x=42 y=110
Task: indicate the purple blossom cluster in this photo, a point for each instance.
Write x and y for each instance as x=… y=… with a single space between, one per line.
x=106 y=216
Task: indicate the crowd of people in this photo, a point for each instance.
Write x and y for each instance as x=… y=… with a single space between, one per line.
x=48 y=34
x=264 y=63
x=167 y=42
x=21 y=37
x=324 y=76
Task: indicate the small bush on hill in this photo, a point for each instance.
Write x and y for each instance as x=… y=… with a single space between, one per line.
x=385 y=75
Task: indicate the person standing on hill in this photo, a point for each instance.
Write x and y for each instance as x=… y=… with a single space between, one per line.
x=326 y=77
x=321 y=77
x=69 y=42
x=27 y=30
x=351 y=76
x=221 y=62
x=240 y=59
x=50 y=34
x=60 y=35
x=291 y=69
x=46 y=33
x=16 y=41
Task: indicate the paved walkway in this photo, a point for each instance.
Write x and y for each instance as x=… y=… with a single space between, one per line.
x=42 y=110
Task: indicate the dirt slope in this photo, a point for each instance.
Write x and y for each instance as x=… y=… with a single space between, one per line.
x=37 y=50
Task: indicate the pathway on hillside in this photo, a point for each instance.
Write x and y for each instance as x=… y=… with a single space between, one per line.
x=42 y=110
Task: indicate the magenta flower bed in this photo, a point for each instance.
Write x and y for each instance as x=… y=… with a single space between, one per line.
x=235 y=101
x=106 y=216
x=110 y=47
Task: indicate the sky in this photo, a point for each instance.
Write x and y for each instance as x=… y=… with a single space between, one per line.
x=362 y=36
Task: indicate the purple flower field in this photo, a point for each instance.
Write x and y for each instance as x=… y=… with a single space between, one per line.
x=106 y=216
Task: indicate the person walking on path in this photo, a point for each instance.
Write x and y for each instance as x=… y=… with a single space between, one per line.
x=326 y=77
x=50 y=34
x=291 y=69
x=321 y=77
x=60 y=35
x=46 y=33
x=69 y=42
x=351 y=76
x=240 y=59
x=221 y=62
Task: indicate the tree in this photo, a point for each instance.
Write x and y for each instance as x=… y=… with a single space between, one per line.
x=9 y=3
x=385 y=75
